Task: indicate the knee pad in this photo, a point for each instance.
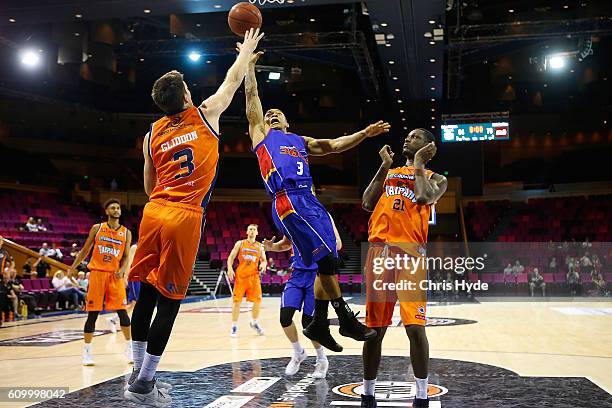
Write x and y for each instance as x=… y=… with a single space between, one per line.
x=286 y=316
x=90 y=323
x=124 y=319
x=306 y=320
x=327 y=265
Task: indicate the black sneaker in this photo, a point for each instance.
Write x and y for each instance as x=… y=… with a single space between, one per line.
x=147 y=393
x=368 y=401
x=420 y=403
x=319 y=332
x=353 y=328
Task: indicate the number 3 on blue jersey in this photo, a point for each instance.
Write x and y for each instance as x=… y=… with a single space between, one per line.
x=187 y=163
x=300 y=168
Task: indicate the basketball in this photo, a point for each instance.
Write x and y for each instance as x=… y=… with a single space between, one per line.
x=242 y=17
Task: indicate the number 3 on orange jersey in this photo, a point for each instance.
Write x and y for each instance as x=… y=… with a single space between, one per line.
x=187 y=163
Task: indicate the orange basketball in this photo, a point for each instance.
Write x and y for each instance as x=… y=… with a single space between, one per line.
x=242 y=17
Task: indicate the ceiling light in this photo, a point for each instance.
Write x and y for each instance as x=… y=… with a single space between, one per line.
x=383 y=24
x=276 y=76
x=433 y=99
x=433 y=88
x=405 y=128
x=12 y=20
x=141 y=59
x=403 y=119
x=208 y=61
x=433 y=109
x=433 y=118
x=387 y=45
x=432 y=60
x=217 y=6
x=432 y=76
x=293 y=94
x=399 y=101
x=312 y=20
x=433 y=127
x=566 y=6
x=511 y=11
x=198 y=25
x=147 y=11
x=432 y=21
x=432 y=43
x=556 y=62
x=390 y=37
x=391 y=62
x=78 y=15
x=397 y=89
x=401 y=111
x=194 y=56
x=395 y=78
x=77 y=34
x=29 y=58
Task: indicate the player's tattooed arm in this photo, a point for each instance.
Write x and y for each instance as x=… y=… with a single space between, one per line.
x=126 y=256
x=322 y=147
x=372 y=194
x=254 y=109
x=230 y=260
x=149 y=174
x=216 y=104
x=427 y=190
x=86 y=248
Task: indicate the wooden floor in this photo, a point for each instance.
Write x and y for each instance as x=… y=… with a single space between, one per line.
x=529 y=338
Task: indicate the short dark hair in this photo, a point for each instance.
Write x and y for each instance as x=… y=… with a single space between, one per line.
x=168 y=92
x=429 y=137
x=111 y=201
x=253 y=225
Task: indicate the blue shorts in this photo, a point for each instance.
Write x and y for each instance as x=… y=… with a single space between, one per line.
x=299 y=291
x=133 y=291
x=304 y=220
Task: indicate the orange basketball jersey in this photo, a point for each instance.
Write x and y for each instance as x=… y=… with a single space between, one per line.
x=184 y=149
x=248 y=259
x=108 y=248
x=397 y=217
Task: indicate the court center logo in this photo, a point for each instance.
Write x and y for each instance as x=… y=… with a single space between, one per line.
x=389 y=390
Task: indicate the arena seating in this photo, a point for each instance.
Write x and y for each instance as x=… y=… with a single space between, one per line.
x=483 y=216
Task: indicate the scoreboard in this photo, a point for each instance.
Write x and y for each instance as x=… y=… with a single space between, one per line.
x=473 y=132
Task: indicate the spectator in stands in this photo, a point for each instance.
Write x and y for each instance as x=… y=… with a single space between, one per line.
x=536 y=281
x=552 y=266
x=82 y=281
x=11 y=299
x=42 y=268
x=573 y=281
x=17 y=287
x=586 y=245
x=45 y=250
x=600 y=285
x=56 y=253
x=74 y=250
x=586 y=266
x=31 y=225
x=40 y=225
x=272 y=269
x=67 y=288
x=517 y=269
x=27 y=268
x=507 y=273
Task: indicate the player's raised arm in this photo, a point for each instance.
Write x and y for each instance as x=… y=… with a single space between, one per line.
x=216 y=104
x=254 y=110
x=86 y=248
x=427 y=191
x=149 y=174
x=230 y=260
x=372 y=193
x=322 y=147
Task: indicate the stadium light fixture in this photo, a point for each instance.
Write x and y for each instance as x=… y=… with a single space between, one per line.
x=275 y=76
x=195 y=56
x=556 y=61
x=30 y=58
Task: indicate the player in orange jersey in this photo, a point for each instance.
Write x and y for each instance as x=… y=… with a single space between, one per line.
x=402 y=200
x=106 y=290
x=251 y=264
x=181 y=153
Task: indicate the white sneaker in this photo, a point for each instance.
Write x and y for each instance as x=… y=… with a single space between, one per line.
x=129 y=353
x=294 y=365
x=112 y=324
x=320 y=370
x=255 y=326
x=147 y=393
x=234 y=332
x=88 y=359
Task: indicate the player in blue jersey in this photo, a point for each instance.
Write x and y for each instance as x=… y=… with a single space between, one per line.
x=283 y=161
x=298 y=293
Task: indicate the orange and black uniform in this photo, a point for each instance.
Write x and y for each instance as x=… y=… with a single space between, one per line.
x=247 y=274
x=184 y=150
x=398 y=225
x=105 y=291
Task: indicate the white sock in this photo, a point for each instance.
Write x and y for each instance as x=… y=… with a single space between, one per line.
x=369 y=386
x=321 y=354
x=87 y=348
x=138 y=349
x=253 y=321
x=421 y=387
x=149 y=367
x=297 y=348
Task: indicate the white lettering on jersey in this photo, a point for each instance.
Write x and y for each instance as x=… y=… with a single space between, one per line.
x=179 y=140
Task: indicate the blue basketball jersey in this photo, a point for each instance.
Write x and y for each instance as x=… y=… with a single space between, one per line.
x=283 y=162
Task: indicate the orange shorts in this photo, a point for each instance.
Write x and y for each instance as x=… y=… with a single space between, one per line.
x=168 y=244
x=381 y=300
x=105 y=292
x=251 y=286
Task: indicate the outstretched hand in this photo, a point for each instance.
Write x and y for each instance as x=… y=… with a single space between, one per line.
x=251 y=40
x=267 y=243
x=377 y=128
